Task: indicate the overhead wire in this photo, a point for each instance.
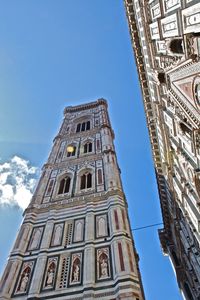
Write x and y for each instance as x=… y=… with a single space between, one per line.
x=147 y=226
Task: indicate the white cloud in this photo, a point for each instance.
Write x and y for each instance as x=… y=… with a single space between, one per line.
x=17 y=182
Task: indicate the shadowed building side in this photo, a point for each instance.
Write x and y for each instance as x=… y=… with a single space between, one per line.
x=165 y=37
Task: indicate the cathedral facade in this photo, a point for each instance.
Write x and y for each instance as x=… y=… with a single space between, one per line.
x=75 y=241
x=165 y=36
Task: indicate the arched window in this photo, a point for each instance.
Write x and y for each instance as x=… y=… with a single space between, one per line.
x=176 y=46
x=73 y=153
x=88 y=147
x=78 y=128
x=83 y=126
x=64 y=185
x=86 y=181
x=88 y=125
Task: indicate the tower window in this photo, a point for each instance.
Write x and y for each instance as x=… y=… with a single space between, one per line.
x=88 y=147
x=83 y=126
x=88 y=125
x=78 y=128
x=73 y=153
x=86 y=181
x=64 y=185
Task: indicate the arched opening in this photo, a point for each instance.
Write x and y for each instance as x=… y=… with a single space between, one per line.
x=23 y=285
x=161 y=77
x=176 y=46
x=64 y=185
x=78 y=128
x=71 y=153
x=86 y=181
x=76 y=270
x=88 y=147
x=83 y=126
x=88 y=125
x=50 y=274
x=103 y=266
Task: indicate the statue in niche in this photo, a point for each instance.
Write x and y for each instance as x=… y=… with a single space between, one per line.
x=76 y=270
x=35 y=239
x=24 y=282
x=50 y=277
x=76 y=273
x=104 y=268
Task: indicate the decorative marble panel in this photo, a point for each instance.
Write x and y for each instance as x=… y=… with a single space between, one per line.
x=36 y=238
x=76 y=269
x=191 y=19
x=50 y=273
x=79 y=230
x=101 y=226
x=103 y=264
x=57 y=235
x=169 y=26
x=24 y=278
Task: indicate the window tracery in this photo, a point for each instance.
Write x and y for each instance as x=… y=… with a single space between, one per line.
x=86 y=181
x=87 y=147
x=83 y=126
x=64 y=185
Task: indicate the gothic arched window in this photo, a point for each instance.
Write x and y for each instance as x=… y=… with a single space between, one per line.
x=83 y=126
x=88 y=125
x=88 y=147
x=86 y=181
x=78 y=128
x=73 y=153
x=64 y=185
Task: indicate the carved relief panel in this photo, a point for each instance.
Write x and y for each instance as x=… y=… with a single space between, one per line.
x=103 y=264
x=79 y=230
x=50 y=273
x=76 y=269
x=57 y=235
x=101 y=226
x=36 y=238
x=24 y=279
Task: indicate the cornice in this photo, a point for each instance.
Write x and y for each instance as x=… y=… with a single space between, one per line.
x=94 y=104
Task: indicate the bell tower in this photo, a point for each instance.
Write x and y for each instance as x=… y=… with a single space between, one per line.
x=75 y=241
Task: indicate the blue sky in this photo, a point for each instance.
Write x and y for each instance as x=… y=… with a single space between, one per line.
x=57 y=53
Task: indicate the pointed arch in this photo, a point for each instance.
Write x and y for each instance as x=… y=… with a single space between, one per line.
x=64 y=185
